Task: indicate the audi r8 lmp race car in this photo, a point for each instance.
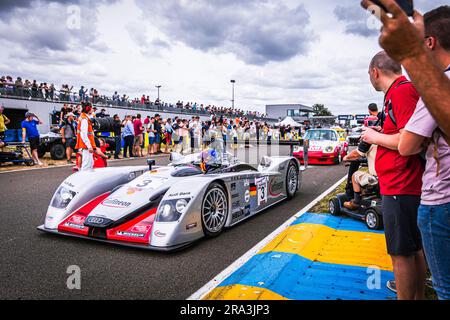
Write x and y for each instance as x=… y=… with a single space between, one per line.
x=167 y=208
x=325 y=147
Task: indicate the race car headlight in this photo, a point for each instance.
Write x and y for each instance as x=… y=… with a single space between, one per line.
x=181 y=205
x=329 y=149
x=62 y=198
x=171 y=210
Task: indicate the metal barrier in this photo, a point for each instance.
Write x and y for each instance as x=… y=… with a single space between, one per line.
x=10 y=90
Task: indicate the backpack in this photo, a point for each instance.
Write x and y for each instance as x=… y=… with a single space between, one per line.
x=423 y=154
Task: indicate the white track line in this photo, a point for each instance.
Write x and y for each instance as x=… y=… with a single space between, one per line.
x=210 y=286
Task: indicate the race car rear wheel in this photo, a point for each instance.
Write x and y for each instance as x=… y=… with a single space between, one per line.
x=338 y=159
x=214 y=210
x=292 y=180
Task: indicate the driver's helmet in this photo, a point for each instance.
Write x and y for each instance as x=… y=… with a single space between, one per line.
x=210 y=157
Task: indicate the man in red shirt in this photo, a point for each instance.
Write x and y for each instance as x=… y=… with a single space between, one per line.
x=400 y=177
x=138 y=136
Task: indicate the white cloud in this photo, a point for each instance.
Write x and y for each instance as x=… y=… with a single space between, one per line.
x=278 y=51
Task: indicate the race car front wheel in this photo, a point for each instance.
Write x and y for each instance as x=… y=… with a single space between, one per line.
x=214 y=210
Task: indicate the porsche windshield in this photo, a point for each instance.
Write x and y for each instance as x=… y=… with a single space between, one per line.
x=321 y=135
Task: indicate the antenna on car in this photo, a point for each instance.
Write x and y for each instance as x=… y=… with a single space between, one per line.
x=151 y=163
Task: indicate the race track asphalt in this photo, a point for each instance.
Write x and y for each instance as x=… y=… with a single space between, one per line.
x=33 y=265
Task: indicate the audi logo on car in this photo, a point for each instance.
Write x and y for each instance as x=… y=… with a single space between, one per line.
x=95 y=220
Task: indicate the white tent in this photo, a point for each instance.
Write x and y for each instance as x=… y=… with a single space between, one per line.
x=289 y=122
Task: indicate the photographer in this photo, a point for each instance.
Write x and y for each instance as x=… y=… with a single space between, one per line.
x=400 y=177
x=68 y=134
x=117 y=130
x=422 y=130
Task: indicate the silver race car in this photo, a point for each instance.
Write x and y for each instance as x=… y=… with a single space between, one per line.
x=167 y=208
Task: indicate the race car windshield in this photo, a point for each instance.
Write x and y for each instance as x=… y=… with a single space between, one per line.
x=321 y=135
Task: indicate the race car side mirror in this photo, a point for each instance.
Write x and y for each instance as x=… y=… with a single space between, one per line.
x=151 y=163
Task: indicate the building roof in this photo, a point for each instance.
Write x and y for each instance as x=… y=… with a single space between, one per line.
x=300 y=107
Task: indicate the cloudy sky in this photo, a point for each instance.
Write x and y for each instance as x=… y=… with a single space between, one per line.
x=278 y=51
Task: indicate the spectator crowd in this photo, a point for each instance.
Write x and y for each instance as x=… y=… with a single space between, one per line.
x=67 y=93
x=139 y=137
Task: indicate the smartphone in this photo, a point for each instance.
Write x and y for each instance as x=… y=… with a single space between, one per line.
x=406 y=5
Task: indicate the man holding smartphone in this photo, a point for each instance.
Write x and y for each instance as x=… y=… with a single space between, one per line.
x=403 y=40
x=422 y=130
x=400 y=178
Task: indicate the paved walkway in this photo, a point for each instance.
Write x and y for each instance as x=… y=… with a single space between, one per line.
x=319 y=257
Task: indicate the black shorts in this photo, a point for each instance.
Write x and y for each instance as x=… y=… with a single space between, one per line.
x=400 y=224
x=34 y=143
x=69 y=143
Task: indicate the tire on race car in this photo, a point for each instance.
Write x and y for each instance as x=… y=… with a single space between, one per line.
x=214 y=210
x=338 y=159
x=292 y=182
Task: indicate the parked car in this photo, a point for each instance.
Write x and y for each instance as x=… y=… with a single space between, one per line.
x=52 y=142
x=355 y=136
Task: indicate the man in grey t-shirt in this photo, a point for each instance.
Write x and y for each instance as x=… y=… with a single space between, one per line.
x=422 y=129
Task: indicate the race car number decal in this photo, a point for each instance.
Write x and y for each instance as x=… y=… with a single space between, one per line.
x=144 y=183
x=262 y=187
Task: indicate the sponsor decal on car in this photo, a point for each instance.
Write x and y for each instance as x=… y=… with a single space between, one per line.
x=247 y=196
x=276 y=188
x=247 y=211
x=141 y=229
x=67 y=183
x=130 y=234
x=159 y=234
x=179 y=195
x=262 y=187
x=74 y=225
x=315 y=148
x=115 y=203
x=191 y=226
x=133 y=190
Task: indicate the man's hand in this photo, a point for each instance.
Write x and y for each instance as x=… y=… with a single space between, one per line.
x=64 y=141
x=91 y=150
x=401 y=39
x=370 y=136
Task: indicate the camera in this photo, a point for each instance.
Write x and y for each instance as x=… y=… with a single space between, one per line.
x=103 y=124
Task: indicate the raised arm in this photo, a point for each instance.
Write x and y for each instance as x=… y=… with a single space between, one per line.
x=403 y=40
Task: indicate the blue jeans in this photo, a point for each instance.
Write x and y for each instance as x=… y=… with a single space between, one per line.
x=118 y=141
x=434 y=224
